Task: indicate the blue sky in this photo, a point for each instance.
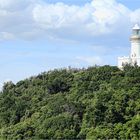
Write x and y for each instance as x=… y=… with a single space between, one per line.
x=39 y=35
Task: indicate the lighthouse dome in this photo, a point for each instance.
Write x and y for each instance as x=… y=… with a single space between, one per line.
x=136 y=27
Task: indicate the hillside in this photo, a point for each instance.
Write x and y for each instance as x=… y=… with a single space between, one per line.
x=97 y=102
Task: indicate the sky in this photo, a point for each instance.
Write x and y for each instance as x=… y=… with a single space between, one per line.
x=41 y=35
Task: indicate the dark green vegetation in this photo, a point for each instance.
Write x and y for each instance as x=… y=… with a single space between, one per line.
x=98 y=102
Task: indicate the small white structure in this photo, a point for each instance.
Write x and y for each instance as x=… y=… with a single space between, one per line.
x=134 y=57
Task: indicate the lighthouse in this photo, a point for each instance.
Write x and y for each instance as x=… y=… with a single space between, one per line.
x=134 y=57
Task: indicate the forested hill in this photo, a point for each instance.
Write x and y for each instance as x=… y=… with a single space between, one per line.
x=97 y=102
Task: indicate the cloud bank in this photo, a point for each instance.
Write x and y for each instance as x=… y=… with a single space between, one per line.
x=32 y=19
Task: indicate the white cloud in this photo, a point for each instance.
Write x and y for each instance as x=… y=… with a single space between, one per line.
x=90 y=60
x=96 y=18
x=16 y=5
x=135 y=16
x=6 y=36
x=29 y=19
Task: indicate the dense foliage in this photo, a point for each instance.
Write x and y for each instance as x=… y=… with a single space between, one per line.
x=97 y=102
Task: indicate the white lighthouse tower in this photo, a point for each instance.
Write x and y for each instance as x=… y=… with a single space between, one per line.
x=134 y=57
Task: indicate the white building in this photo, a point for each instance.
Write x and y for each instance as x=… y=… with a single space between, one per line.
x=134 y=57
